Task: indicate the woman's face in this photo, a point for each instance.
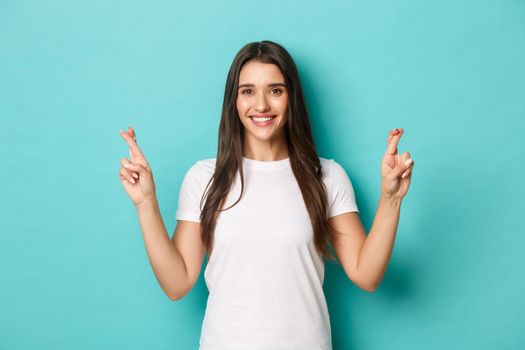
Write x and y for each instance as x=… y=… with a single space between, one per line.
x=262 y=100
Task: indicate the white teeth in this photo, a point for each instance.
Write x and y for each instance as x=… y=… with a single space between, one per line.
x=261 y=119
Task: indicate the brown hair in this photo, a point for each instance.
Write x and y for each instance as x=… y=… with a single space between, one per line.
x=304 y=160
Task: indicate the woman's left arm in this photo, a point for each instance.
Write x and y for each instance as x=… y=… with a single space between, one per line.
x=365 y=258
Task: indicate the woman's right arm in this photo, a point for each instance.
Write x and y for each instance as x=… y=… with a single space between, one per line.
x=177 y=262
x=166 y=260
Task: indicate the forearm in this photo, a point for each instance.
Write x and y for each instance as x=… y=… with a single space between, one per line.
x=166 y=261
x=377 y=248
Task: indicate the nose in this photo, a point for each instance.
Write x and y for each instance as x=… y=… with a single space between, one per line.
x=261 y=103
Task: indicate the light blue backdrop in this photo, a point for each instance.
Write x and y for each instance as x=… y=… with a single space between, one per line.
x=74 y=271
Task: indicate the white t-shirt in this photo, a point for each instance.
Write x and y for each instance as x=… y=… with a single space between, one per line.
x=264 y=275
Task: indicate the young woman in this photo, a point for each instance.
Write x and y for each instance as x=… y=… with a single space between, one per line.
x=265 y=211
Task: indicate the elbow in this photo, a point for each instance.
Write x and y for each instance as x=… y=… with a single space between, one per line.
x=175 y=296
x=179 y=293
x=368 y=288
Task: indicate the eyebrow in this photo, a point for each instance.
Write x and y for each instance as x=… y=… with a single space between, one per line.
x=270 y=85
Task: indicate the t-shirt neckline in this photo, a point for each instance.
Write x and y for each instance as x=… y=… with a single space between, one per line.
x=266 y=165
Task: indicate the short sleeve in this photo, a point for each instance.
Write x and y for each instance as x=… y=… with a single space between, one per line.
x=341 y=192
x=190 y=194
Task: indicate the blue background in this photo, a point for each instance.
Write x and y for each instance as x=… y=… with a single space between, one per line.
x=74 y=270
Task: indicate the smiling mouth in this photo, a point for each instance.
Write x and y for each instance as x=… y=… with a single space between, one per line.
x=262 y=119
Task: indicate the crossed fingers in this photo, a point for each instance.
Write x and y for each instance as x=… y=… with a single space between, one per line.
x=134 y=150
x=393 y=140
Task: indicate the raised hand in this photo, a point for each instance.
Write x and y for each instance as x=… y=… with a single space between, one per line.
x=135 y=173
x=396 y=170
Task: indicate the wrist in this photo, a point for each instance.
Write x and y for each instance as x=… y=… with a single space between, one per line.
x=390 y=200
x=147 y=204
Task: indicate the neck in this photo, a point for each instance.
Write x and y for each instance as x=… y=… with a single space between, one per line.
x=265 y=151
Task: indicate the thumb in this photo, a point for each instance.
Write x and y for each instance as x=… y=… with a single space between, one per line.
x=401 y=167
x=135 y=167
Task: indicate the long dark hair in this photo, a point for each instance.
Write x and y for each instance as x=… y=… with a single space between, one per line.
x=304 y=160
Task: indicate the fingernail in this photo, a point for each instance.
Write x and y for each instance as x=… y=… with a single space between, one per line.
x=408 y=161
x=132 y=180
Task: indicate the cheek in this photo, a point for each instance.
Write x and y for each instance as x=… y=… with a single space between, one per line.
x=283 y=106
x=241 y=107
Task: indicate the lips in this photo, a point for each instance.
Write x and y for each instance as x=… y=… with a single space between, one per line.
x=263 y=121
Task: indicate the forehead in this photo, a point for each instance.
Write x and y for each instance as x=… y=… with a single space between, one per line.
x=256 y=72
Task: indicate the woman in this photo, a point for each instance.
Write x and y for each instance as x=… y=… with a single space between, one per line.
x=265 y=210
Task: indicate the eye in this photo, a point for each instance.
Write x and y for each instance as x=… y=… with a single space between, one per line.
x=279 y=91
x=244 y=92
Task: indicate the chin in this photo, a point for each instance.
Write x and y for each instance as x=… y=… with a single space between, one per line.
x=262 y=135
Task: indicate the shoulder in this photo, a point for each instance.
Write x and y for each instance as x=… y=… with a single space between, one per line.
x=326 y=163
x=201 y=170
x=207 y=165
x=327 y=166
x=332 y=170
x=340 y=191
